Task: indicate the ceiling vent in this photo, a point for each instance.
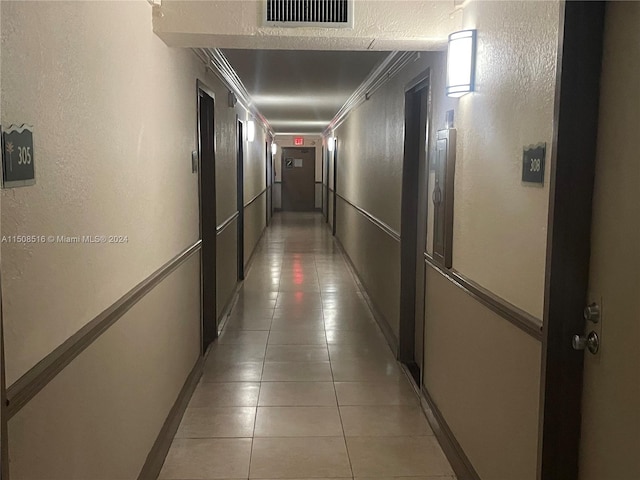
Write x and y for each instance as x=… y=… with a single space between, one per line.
x=309 y=13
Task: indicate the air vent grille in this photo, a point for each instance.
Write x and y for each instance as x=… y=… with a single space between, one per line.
x=294 y=13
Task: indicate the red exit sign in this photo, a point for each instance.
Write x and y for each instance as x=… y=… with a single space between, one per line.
x=298 y=141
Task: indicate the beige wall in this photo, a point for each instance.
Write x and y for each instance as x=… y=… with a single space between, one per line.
x=610 y=439
x=375 y=255
x=226 y=187
x=112 y=145
x=482 y=372
x=100 y=416
x=370 y=152
x=255 y=222
x=500 y=223
x=499 y=241
x=226 y=266
x=255 y=167
x=115 y=122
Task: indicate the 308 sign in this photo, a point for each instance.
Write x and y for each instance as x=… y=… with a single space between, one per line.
x=18 y=163
x=533 y=163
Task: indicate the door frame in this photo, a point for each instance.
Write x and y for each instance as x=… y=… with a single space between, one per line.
x=325 y=178
x=414 y=218
x=240 y=194
x=573 y=156
x=335 y=184
x=267 y=163
x=207 y=229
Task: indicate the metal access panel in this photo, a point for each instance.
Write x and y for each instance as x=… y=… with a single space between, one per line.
x=442 y=197
x=308 y=13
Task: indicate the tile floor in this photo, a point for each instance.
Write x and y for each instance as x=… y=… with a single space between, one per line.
x=301 y=383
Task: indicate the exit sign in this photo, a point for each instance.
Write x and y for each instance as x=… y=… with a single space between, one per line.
x=298 y=141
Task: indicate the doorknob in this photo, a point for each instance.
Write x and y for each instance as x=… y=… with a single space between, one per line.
x=591 y=342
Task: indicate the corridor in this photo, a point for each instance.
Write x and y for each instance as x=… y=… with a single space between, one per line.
x=301 y=383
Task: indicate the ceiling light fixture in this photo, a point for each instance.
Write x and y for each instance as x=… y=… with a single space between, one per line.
x=461 y=63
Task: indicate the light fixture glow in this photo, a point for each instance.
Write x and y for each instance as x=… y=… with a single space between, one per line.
x=331 y=143
x=461 y=63
x=274 y=148
x=251 y=131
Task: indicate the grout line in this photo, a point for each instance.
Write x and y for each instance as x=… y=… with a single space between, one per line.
x=344 y=437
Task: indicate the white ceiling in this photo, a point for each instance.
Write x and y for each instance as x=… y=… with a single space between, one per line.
x=300 y=91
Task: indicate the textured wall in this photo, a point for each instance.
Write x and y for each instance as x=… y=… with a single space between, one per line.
x=255 y=222
x=100 y=416
x=226 y=265
x=255 y=167
x=370 y=153
x=500 y=226
x=114 y=112
x=484 y=376
x=376 y=256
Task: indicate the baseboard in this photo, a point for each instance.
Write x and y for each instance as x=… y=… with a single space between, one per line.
x=379 y=317
x=459 y=461
x=155 y=459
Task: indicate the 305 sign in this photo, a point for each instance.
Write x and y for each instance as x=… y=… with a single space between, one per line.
x=18 y=162
x=533 y=163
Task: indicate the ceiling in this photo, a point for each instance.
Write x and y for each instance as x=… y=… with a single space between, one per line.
x=300 y=91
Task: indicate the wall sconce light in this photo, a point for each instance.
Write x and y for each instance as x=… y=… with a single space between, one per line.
x=251 y=130
x=274 y=148
x=461 y=63
x=331 y=143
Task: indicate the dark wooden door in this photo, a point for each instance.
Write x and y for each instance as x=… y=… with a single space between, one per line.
x=413 y=226
x=298 y=179
x=240 y=198
x=569 y=237
x=206 y=136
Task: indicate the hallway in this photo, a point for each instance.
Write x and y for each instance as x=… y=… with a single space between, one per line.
x=301 y=383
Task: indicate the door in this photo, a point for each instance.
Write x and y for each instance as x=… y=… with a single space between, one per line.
x=325 y=184
x=298 y=179
x=268 y=181
x=572 y=168
x=610 y=441
x=334 y=211
x=414 y=226
x=208 y=223
x=240 y=196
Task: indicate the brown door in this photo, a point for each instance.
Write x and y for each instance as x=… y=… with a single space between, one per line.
x=298 y=179
x=413 y=227
x=206 y=134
